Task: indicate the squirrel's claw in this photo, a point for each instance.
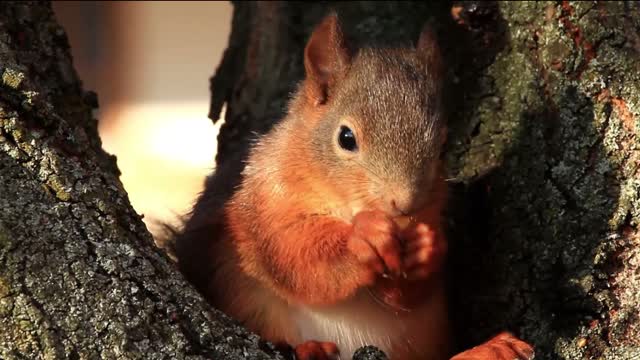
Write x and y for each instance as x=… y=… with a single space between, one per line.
x=504 y=346
x=316 y=350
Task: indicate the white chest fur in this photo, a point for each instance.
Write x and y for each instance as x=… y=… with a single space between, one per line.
x=420 y=334
x=362 y=321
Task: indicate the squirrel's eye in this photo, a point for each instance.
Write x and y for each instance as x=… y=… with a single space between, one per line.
x=347 y=140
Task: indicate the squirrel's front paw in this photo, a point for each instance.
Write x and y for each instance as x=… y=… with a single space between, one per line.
x=505 y=346
x=424 y=251
x=374 y=242
x=316 y=350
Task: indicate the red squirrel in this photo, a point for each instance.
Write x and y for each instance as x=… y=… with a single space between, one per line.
x=333 y=238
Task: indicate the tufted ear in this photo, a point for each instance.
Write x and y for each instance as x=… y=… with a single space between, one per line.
x=429 y=50
x=326 y=59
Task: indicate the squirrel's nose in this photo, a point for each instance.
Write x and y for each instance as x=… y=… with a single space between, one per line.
x=399 y=209
x=403 y=202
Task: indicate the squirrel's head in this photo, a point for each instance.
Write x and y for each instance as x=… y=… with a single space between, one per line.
x=378 y=126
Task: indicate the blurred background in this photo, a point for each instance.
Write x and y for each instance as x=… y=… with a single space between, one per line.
x=150 y=64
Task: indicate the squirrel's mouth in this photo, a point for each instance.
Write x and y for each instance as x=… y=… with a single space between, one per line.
x=401 y=218
x=403 y=221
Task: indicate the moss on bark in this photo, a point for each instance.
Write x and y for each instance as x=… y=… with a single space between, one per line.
x=555 y=140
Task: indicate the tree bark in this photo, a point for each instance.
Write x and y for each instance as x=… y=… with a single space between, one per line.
x=80 y=277
x=543 y=147
x=543 y=153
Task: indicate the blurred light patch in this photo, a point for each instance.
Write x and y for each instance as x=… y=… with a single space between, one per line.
x=150 y=64
x=164 y=151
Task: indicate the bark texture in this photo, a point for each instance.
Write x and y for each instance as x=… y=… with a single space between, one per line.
x=543 y=147
x=551 y=126
x=80 y=277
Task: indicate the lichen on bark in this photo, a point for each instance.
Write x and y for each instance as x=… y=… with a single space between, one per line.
x=559 y=171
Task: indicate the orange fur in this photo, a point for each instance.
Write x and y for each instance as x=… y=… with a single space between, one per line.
x=306 y=250
x=309 y=265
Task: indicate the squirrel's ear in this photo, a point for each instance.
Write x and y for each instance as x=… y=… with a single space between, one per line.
x=326 y=58
x=429 y=50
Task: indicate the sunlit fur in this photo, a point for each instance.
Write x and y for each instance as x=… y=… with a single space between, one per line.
x=276 y=257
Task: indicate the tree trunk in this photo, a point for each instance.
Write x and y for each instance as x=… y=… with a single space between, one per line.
x=543 y=145
x=543 y=153
x=80 y=277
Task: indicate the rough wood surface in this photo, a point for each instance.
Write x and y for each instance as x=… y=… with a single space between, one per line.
x=552 y=129
x=80 y=277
